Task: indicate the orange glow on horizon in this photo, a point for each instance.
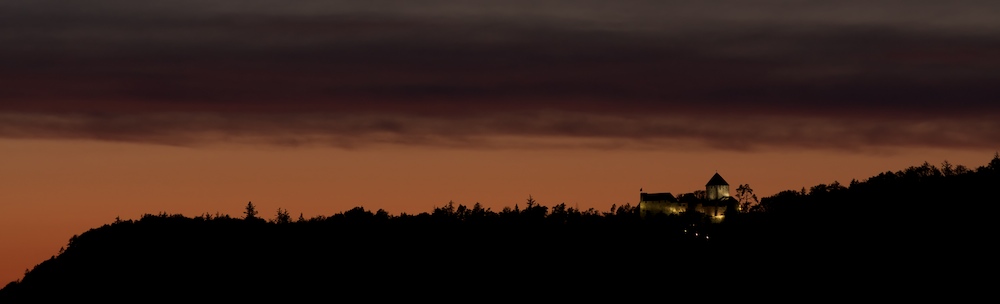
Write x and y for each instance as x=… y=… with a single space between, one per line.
x=52 y=190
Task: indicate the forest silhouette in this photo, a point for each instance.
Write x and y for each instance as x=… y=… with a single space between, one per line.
x=884 y=224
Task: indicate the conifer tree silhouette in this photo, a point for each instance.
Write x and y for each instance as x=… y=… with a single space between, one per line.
x=251 y=212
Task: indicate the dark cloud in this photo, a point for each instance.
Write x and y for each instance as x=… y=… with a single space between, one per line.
x=496 y=131
x=727 y=74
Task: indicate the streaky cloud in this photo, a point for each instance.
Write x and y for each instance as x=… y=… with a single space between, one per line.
x=535 y=130
x=633 y=74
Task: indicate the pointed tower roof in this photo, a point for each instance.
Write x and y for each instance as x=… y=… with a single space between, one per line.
x=716 y=181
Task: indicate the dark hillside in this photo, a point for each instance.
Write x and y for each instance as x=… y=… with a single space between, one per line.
x=178 y=257
x=902 y=225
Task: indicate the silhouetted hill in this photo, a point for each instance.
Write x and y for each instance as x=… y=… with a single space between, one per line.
x=224 y=258
x=884 y=227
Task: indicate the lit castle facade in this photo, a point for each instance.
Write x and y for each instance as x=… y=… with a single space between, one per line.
x=713 y=203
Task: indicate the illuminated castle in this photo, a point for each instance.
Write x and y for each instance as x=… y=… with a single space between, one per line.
x=713 y=203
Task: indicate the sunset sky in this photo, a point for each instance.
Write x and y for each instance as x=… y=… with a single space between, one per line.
x=117 y=108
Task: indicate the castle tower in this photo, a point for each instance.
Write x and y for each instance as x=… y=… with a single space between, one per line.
x=716 y=188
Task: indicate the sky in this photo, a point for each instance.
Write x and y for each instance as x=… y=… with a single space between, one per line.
x=117 y=108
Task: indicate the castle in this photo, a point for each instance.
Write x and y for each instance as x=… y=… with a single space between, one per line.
x=713 y=203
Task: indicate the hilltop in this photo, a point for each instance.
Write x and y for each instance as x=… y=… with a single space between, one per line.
x=809 y=233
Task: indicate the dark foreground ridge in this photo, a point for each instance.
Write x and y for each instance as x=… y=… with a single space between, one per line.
x=903 y=225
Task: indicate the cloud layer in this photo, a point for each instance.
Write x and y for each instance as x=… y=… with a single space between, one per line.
x=726 y=74
x=500 y=131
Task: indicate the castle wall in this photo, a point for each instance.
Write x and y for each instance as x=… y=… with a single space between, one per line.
x=647 y=208
x=717 y=192
x=713 y=210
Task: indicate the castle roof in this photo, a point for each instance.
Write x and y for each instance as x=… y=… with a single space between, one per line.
x=716 y=181
x=666 y=196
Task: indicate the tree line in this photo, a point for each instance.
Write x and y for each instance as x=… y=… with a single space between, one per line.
x=895 y=213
